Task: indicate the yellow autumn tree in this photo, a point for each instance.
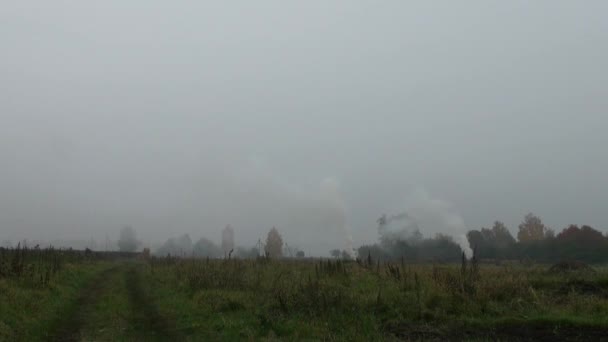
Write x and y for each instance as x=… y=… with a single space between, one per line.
x=531 y=229
x=274 y=244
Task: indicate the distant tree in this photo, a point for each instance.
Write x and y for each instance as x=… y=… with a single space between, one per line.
x=475 y=238
x=483 y=242
x=444 y=237
x=127 y=242
x=584 y=235
x=496 y=242
x=502 y=236
x=441 y=248
x=488 y=236
x=300 y=254
x=590 y=234
x=584 y=244
x=335 y=253
x=169 y=248
x=206 y=248
x=375 y=252
x=274 y=244
x=531 y=229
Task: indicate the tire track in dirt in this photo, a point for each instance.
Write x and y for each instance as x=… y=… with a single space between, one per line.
x=143 y=316
x=68 y=327
x=145 y=312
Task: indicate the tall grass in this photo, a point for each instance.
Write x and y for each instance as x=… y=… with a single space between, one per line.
x=37 y=266
x=412 y=292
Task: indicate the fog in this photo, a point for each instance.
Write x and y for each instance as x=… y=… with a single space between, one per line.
x=315 y=117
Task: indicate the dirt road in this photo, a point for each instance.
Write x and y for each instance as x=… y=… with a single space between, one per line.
x=114 y=305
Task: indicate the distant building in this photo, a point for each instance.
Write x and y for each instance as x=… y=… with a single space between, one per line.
x=227 y=239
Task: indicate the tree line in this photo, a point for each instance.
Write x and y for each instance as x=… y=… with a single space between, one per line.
x=535 y=242
x=273 y=247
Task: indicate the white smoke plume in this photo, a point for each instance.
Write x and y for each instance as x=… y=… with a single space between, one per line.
x=430 y=216
x=397 y=227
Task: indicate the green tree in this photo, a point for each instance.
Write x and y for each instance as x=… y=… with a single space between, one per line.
x=502 y=235
x=475 y=239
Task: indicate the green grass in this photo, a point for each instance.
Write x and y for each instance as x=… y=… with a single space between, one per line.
x=108 y=319
x=25 y=310
x=234 y=300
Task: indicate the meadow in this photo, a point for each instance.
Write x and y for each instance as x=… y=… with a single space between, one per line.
x=71 y=295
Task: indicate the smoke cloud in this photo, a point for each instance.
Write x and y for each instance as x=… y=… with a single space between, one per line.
x=429 y=216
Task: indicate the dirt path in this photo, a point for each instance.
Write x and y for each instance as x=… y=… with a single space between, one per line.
x=145 y=315
x=114 y=305
x=68 y=326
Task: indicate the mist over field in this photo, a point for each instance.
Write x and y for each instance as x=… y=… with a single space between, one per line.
x=314 y=117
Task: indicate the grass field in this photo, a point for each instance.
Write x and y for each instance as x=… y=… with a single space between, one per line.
x=118 y=299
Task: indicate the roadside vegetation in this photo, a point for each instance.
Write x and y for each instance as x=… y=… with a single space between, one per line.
x=38 y=285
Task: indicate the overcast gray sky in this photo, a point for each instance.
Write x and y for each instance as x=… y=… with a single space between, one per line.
x=315 y=116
